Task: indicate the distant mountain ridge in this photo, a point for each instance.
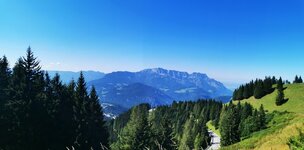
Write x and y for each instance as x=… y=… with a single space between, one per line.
x=119 y=91
x=156 y=86
x=67 y=76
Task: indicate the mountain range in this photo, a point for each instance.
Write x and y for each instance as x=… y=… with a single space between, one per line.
x=119 y=91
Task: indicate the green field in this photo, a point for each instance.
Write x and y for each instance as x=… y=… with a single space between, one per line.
x=284 y=123
x=293 y=92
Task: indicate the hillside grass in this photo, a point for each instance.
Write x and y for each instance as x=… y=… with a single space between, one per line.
x=211 y=127
x=293 y=92
x=282 y=127
x=285 y=122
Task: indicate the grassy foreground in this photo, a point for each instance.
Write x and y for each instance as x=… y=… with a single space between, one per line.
x=281 y=128
x=285 y=121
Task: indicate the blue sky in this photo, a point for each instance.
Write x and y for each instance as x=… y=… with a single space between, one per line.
x=230 y=40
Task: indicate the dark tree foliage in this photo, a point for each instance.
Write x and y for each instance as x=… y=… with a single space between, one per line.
x=5 y=74
x=298 y=79
x=179 y=126
x=42 y=113
x=257 y=88
x=280 y=99
x=239 y=121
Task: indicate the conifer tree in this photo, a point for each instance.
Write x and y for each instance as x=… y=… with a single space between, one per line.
x=258 y=91
x=81 y=113
x=187 y=137
x=296 y=80
x=280 y=99
x=5 y=74
x=262 y=117
x=300 y=80
x=96 y=122
x=229 y=126
x=4 y=80
x=246 y=93
x=136 y=134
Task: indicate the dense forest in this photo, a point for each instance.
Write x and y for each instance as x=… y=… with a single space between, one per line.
x=179 y=126
x=41 y=113
x=37 y=112
x=239 y=121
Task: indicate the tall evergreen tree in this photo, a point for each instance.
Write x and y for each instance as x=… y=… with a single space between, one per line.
x=229 y=126
x=4 y=80
x=81 y=113
x=300 y=80
x=136 y=135
x=296 y=80
x=188 y=136
x=280 y=99
x=96 y=122
x=262 y=117
x=5 y=74
x=259 y=91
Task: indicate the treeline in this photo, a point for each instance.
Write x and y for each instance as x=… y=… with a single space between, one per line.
x=37 y=112
x=239 y=121
x=179 y=126
x=257 y=88
x=260 y=88
x=298 y=79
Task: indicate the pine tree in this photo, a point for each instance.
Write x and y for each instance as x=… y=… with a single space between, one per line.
x=240 y=93
x=187 y=137
x=136 y=134
x=5 y=74
x=229 y=125
x=81 y=113
x=267 y=85
x=234 y=95
x=296 y=80
x=273 y=80
x=26 y=103
x=96 y=122
x=246 y=93
x=300 y=80
x=262 y=117
x=258 y=91
x=4 y=80
x=280 y=96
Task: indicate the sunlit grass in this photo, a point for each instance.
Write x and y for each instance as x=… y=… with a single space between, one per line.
x=293 y=92
x=211 y=127
x=284 y=125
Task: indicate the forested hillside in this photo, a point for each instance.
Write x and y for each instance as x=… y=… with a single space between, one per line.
x=38 y=113
x=179 y=126
x=284 y=120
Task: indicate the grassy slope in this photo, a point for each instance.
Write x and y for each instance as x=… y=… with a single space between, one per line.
x=211 y=127
x=283 y=126
x=295 y=94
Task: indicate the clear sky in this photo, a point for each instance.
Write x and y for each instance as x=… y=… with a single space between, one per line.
x=230 y=40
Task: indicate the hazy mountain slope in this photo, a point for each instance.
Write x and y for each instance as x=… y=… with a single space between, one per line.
x=170 y=84
x=67 y=76
x=134 y=94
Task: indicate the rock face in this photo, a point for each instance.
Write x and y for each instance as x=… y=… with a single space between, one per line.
x=156 y=86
